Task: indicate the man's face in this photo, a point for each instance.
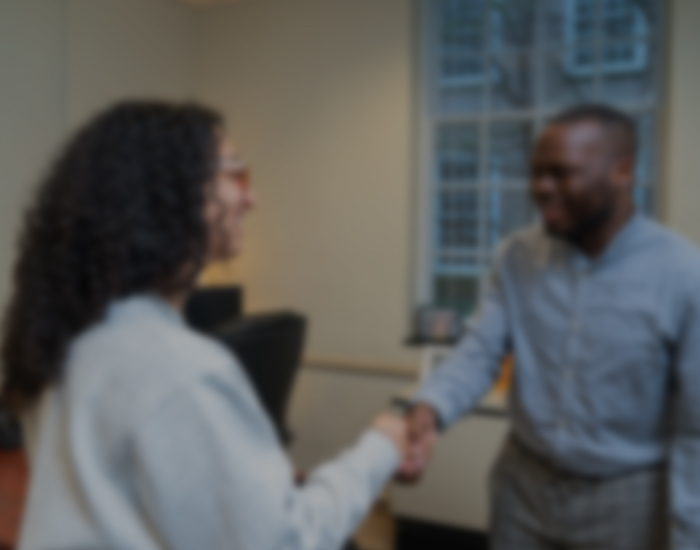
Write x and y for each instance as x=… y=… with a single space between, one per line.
x=577 y=178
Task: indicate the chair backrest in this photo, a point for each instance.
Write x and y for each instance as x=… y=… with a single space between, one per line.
x=10 y=431
x=270 y=348
x=208 y=308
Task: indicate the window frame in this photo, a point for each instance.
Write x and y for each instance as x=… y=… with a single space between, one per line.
x=427 y=119
x=639 y=43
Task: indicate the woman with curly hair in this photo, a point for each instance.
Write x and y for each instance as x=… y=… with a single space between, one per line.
x=141 y=433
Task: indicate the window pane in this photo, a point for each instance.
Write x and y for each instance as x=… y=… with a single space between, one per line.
x=512 y=24
x=554 y=22
x=512 y=81
x=461 y=99
x=462 y=31
x=569 y=76
x=580 y=20
x=458 y=219
x=571 y=21
x=510 y=144
x=646 y=169
x=457 y=292
x=458 y=153
x=456 y=261
x=509 y=209
x=628 y=18
x=644 y=198
x=462 y=65
x=462 y=68
x=628 y=72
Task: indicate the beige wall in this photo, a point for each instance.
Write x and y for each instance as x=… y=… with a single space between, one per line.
x=127 y=48
x=32 y=107
x=330 y=409
x=62 y=59
x=682 y=147
x=318 y=97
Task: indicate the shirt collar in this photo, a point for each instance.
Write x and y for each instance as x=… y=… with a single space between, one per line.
x=143 y=305
x=620 y=242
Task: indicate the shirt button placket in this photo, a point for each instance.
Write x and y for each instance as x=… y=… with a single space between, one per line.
x=572 y=342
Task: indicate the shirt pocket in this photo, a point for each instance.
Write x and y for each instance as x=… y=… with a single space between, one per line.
x=621 y=321
x=625 y=378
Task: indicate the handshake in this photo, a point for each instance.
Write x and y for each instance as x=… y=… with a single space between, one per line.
x=414 y=435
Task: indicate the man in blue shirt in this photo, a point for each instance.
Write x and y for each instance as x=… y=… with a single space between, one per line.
x=601 y=309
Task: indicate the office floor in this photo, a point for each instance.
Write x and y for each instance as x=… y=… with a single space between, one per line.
x=383 y=531
x=378 y=532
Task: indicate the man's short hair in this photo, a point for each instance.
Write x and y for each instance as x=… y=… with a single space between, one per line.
x=620 y=127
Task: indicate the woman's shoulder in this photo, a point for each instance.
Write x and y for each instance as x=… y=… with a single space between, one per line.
x=146 y=336
x=130 y=363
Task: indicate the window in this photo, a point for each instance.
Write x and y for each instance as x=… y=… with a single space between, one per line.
x=493 y=72
x=618 y=18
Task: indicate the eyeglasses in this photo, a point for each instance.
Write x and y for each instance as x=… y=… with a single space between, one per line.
x=236 y=169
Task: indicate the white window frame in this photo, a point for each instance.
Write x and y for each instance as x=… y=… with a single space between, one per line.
x=474 y=79
x=428 y=82
x=640 y=47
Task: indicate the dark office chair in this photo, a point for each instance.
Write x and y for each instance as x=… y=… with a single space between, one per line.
x=10 y=432
x=211 y=307
x=269 y=346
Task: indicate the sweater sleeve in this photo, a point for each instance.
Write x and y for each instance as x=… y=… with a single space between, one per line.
x=210 y=474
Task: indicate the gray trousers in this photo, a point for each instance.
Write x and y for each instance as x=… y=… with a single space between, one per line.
x=536 y=506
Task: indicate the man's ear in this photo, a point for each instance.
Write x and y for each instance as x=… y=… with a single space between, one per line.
x=623 y=172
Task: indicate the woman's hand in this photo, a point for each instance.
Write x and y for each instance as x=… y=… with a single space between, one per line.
x=421 y=436
x=394 y=427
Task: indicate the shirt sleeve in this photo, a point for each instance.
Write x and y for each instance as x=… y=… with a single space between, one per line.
x=457 y=386
x=684 y=468
x=209 y=473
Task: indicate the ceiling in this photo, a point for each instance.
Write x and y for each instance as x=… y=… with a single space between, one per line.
x=207 y=3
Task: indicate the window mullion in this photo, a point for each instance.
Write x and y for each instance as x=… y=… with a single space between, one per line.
x=598 y=49
x=484 y=195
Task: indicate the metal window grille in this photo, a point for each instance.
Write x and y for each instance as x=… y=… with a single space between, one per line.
x=496 y=70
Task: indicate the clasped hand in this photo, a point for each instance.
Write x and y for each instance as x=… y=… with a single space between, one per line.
x=414 y=435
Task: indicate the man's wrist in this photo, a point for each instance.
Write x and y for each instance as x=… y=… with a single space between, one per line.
x=401 y=406
x=430 y=410
x=407 y=407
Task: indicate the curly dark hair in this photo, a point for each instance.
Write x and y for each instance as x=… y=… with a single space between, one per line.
x=120 y=213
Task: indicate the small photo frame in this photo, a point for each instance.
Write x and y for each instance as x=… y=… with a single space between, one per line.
x=437 y=324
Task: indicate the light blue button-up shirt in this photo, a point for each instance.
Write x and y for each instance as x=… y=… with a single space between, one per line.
x=607 y=354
